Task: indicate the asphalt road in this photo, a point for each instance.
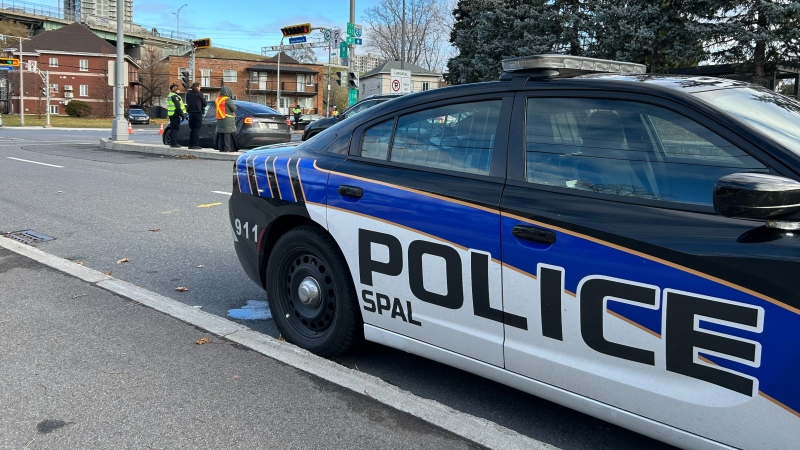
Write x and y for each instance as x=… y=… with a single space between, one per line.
x=168 y=218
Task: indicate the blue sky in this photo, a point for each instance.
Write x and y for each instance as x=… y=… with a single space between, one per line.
x=246 y=25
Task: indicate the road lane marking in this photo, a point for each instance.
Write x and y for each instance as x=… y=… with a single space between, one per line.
x=208 y=205
x=34 y=162
x=221 y=192
x=467 y=426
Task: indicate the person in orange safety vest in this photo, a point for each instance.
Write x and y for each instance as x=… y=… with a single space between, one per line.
x=226 y=120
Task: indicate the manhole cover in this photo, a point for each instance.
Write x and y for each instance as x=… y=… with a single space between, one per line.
x=29 y=237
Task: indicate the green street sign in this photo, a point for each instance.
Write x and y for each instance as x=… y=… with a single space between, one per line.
x=351 y=29
x=351 y=40
x=353 y=99
x=343 y=50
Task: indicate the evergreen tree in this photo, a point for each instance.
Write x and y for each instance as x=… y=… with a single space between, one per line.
x=758 y=31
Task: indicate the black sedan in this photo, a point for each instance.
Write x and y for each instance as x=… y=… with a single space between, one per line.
x=135 y=115
x=305 y=120
x=622 y=243
x=321 y=125
x=256 y=125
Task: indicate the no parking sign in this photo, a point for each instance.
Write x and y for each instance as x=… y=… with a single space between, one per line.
x=400 y=81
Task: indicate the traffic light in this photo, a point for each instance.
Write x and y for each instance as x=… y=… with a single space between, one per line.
x=13 y=62
x=296 y=30
x=352 y=79
x=342 y=76
x=185 y=81
x=44 y=92
x=202 y=43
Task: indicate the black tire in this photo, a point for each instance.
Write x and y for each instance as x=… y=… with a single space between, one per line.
x=329 y=324
x=164 y=136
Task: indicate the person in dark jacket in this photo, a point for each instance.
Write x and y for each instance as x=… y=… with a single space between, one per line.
x=196 y=105
x=176 y=110
x=226 y=119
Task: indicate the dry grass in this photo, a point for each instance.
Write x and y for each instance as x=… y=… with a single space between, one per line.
x=33 y=120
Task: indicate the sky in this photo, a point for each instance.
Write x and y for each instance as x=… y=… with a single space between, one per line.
x=239 y=24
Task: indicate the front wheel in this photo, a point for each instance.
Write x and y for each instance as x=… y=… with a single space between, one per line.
x=311 y=293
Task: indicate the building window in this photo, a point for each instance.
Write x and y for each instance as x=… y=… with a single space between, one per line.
x=309 y=80
x=426 y=85
x=53 y=62
x=83 y=65
x=207 y=97
x=307 y=103
x=229 y=76
x=205 y=77
x=53 y=109
x=254 y=77
x=181 y=70
x=84 y=90
x=54 y=88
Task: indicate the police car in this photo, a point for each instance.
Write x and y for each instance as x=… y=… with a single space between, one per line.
x=622 y=243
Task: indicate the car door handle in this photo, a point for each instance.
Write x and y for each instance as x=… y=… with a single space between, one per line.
x=534 y=234
x=351 y=191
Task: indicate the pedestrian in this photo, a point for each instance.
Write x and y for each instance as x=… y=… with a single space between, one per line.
x=335 y=112
x=176 y=110
x=226 y=119
x=297 y=111
x=196 y=105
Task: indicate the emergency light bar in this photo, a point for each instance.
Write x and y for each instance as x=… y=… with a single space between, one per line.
x=569 y=63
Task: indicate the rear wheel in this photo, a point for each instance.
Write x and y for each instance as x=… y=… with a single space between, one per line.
x=311 y=293
x=164 y=139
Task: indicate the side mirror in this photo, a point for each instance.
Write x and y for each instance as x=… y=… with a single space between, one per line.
x=759 y=196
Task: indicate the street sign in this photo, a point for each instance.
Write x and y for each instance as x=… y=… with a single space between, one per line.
x=275 y=48
x=337 y=37
x=343 y=50
x=353 y=97
x=297 y=40
x=353 y=29
x=6 y=68
x=351 y=40
x=31 y=66
x=400 y=81
x=357 y=41
x=327 y=34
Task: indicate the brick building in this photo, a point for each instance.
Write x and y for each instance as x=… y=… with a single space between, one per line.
x=77 y=61
x=254 y=78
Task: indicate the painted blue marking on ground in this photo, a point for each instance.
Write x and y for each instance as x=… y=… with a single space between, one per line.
x=253 y=310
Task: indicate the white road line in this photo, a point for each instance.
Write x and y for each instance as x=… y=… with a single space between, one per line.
x=34 y=162
x=221 y=192
x=475 y=429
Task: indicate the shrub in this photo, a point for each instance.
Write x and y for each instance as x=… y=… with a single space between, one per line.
x=78 y=108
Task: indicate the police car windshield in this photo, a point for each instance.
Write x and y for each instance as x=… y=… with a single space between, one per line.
x=775 y=115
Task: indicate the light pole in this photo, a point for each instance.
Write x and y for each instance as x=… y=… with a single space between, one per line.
x=178 y=15
x=403 y=39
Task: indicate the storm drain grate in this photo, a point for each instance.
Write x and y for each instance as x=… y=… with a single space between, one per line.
x=29 y=237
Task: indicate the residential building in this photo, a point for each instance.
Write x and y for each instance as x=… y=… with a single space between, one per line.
x=379 y=79
x=361 y=63
x=80 y=10
x=254 y=78
x=77 y=62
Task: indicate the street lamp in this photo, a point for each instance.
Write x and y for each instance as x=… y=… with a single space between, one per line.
x=178 y=15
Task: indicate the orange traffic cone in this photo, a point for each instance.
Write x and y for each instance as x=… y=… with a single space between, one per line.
x=130 y=128
x=161 y=129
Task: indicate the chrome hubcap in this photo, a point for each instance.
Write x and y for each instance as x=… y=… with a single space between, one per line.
x=308 y=292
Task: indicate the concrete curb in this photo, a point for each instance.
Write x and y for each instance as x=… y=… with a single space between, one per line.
x=160 y=149
x=475 y=429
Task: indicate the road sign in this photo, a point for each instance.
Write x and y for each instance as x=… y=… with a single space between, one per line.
x=357 y=41
x=343 y=50
x=353 y=97
x=353 y=29
x=351 y=40
x=357 y=31
x=327 y=34
x=6 y=68
x=337 y=37
x=400 y=81
x=297 y=40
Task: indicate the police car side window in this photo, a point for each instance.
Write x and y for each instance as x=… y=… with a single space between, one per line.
x=375 y=142
x=454 y=137
x=628 y=149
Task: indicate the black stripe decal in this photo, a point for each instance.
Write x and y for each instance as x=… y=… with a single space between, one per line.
x=251 y=175
x=273 y=181
x=296 y=189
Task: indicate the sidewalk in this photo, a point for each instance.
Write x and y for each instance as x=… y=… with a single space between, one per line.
x=161 y=149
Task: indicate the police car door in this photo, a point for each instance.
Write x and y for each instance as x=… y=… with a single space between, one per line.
x=629 y=289
x=415 y=210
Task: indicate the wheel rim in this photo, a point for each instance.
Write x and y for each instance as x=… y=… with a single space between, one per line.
x=308 y=292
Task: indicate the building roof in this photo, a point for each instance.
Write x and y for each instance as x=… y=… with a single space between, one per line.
x=224 y=53
x=75 y=37
x=284 y=59
x=389 y=65
x=274 y=68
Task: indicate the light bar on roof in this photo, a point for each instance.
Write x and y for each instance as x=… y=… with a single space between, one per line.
x=578 y=63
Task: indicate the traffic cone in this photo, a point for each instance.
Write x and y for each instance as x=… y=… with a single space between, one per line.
x=130 y=128
x=161 y=130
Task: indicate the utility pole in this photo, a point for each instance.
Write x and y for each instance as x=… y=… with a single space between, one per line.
x=21 y=88
x=119 y=128
x=403 y=39
x=278 y=87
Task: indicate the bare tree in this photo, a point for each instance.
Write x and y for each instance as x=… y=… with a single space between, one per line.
x=8 y=29
x=428 y=25
x=153 y=75
x=104 y=93
x=303 y=55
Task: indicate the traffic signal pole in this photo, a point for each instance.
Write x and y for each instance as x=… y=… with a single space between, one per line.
x=119 y=128
x=278 y=87
x=21 y=88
